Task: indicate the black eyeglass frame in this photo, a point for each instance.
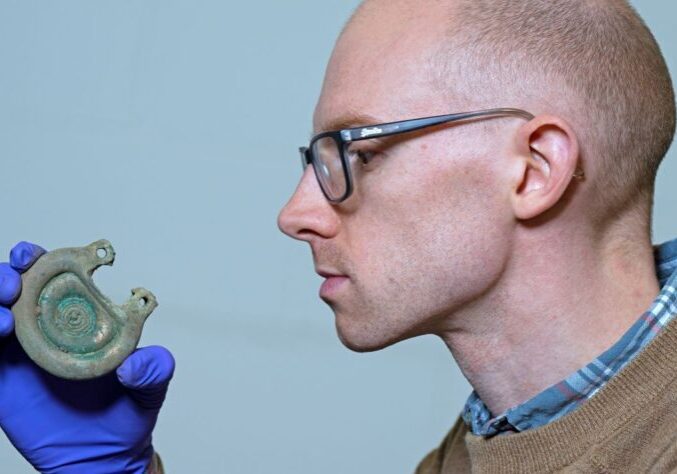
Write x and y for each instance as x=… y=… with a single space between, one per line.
x=344 y=137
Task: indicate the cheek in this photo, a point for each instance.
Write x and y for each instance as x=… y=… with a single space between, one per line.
x=429 y=239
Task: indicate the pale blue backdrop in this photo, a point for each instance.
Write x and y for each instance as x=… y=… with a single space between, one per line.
x=170 y=128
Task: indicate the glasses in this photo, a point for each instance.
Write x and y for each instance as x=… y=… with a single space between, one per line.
x=329 y=154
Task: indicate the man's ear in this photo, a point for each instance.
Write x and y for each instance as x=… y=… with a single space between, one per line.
x=549 y=150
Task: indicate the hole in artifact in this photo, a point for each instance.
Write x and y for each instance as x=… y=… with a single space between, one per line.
x=143 y=302
x=101 y=253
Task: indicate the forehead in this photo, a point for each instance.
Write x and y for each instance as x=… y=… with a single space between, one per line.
x=381 y=66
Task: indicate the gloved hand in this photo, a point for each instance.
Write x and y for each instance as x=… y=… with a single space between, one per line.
x=60 y=426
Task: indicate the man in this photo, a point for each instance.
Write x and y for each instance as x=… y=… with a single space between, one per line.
x=519 y=234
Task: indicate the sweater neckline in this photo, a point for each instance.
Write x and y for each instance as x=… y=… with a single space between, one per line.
x=561 y=442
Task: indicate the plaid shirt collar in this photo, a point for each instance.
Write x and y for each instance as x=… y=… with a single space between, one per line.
x=567 y=395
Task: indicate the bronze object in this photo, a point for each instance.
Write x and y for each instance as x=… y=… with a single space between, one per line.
x=66 y=325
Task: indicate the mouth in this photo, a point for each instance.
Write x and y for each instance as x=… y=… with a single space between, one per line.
x=333 y=283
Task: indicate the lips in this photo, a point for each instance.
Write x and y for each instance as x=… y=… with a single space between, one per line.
x=332 y=285
x=333 y=282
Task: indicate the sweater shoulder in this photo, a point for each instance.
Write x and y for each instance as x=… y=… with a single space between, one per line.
x=450 y=456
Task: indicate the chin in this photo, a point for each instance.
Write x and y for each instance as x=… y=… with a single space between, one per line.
x=360 y=339
x=360 y=346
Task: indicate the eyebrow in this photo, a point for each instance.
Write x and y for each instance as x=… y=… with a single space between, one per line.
x=350 y=120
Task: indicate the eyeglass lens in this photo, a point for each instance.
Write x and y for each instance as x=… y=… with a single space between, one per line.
x=328 y=167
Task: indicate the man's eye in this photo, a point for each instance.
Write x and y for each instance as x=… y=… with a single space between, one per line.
x=363 y=157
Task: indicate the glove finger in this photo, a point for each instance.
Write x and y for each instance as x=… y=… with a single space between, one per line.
x=24 y=255
x=6 y=322
x=10 y=284
x=146 y=373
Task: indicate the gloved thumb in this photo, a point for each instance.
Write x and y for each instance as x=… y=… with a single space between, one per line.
x=146 y=374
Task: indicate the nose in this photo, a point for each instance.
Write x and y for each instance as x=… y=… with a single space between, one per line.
x=308 y=214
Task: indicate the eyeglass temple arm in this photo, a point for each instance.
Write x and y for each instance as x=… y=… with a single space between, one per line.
x=403 y=126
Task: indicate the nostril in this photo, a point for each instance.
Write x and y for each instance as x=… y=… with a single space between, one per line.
x=295 y=221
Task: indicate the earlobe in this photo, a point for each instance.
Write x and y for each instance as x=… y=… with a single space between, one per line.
x=549 y=153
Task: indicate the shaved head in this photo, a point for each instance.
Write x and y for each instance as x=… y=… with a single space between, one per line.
x=592 y=62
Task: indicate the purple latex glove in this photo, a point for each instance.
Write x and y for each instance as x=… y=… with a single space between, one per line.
x=61 y=426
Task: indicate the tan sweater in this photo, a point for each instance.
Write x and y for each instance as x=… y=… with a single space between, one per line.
x=629 y=426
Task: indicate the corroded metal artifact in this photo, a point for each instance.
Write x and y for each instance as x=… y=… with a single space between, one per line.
x=66 y=325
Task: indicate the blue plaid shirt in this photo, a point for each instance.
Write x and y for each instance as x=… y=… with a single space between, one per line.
x=567 y=395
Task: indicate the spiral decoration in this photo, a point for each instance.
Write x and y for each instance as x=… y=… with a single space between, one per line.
x=75 y=316
x=71 y=318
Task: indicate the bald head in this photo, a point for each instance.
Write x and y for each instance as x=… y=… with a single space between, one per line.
x=593 y=62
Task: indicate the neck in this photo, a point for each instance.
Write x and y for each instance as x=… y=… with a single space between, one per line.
x=551 y=313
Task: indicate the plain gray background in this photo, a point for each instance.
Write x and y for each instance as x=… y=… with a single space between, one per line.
x=170 y=128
